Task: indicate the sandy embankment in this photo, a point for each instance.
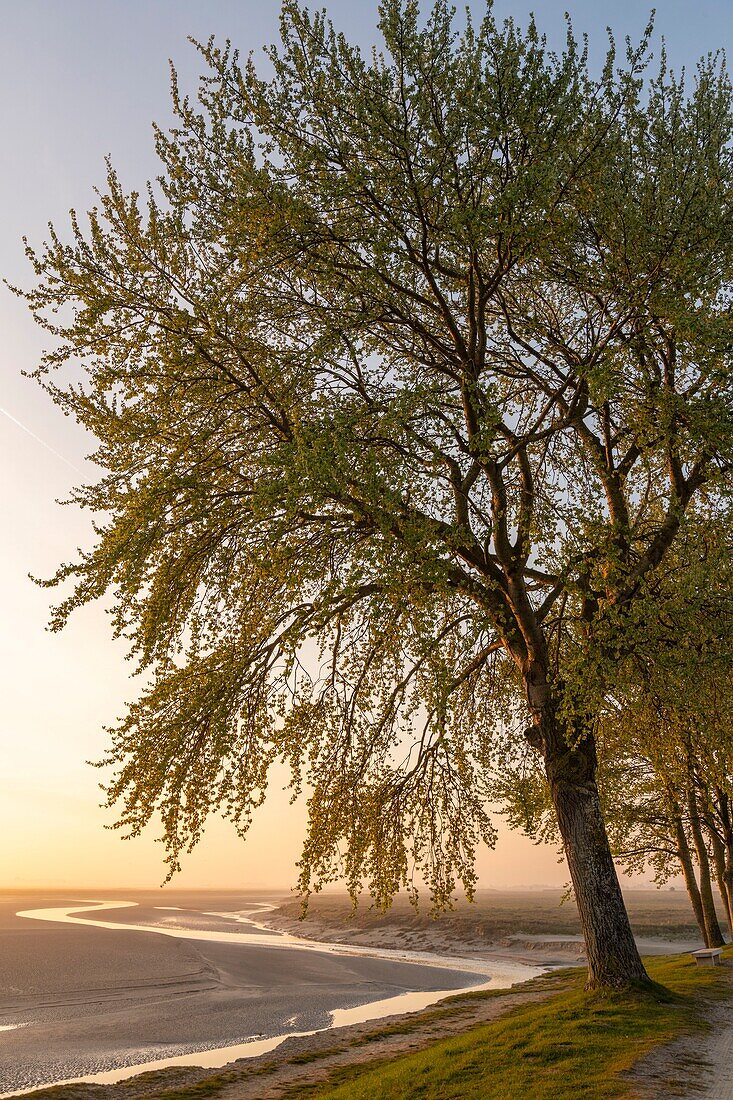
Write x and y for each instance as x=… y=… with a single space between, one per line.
x=192 y=994
x=535 y=928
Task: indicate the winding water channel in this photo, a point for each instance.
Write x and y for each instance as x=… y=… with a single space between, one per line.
x=231 y=956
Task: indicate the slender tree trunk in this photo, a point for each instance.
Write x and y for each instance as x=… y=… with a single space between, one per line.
x=613 y=958
x=723 y=809
x=714 y=937
x=718 y=851
x=688 y=871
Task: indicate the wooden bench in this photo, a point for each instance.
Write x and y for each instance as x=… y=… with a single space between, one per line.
x=709 y=956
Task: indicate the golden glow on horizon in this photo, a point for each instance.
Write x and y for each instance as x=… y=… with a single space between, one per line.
x=60 y=690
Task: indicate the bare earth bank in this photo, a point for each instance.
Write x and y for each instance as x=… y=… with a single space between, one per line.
x=536 y=926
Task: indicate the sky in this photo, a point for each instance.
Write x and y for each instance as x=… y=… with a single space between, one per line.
x=79 y=80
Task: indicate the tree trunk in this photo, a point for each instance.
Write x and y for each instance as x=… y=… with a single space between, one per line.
x=613 y=959
x=723 y=810
x=688 y=871
x=718 y=850
x=714 y=936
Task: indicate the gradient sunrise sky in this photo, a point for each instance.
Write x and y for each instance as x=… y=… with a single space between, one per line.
x=80 y=79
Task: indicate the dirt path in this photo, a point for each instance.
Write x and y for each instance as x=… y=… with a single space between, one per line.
x=719 y=1053
x=695 y=1067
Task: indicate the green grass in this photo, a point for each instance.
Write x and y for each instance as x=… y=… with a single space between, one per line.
x=575 y=1044
x=569 y=1045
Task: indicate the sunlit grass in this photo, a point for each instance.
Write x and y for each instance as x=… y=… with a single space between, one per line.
x=575 y=1044
x=567 y=1045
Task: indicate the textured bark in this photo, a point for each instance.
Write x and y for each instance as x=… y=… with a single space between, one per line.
x=688 y=871
x=714 y=936
x=613 y=958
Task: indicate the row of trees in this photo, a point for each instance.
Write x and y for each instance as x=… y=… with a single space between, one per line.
x=410 y=376
x=675 y=817
x=664 y=741
x=667 y=803
x=669 y=749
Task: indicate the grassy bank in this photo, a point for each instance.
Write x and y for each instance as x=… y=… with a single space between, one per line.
x=544 y=1039
x=574 y=1045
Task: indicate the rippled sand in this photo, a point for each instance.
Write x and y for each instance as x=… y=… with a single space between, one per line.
x=92 y=998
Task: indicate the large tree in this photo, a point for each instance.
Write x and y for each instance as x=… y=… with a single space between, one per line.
x=406 y=361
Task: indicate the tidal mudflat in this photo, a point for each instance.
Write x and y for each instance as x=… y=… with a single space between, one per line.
x=150 y=982
x=538 y=927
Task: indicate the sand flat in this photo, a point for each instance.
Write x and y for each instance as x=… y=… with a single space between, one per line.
x=95 y=998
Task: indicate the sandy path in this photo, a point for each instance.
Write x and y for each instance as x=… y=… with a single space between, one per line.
x=694 y=1067
x=718 y=1051
x=710 y=1059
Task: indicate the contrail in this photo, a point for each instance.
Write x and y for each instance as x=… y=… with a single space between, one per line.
x=39 y=440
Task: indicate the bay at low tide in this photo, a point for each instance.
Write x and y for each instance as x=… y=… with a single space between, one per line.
x=79 y=999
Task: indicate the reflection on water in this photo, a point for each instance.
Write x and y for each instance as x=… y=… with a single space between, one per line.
x=500 y=971
x=489 y=974
x=251 y=1048
x=70 y=915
